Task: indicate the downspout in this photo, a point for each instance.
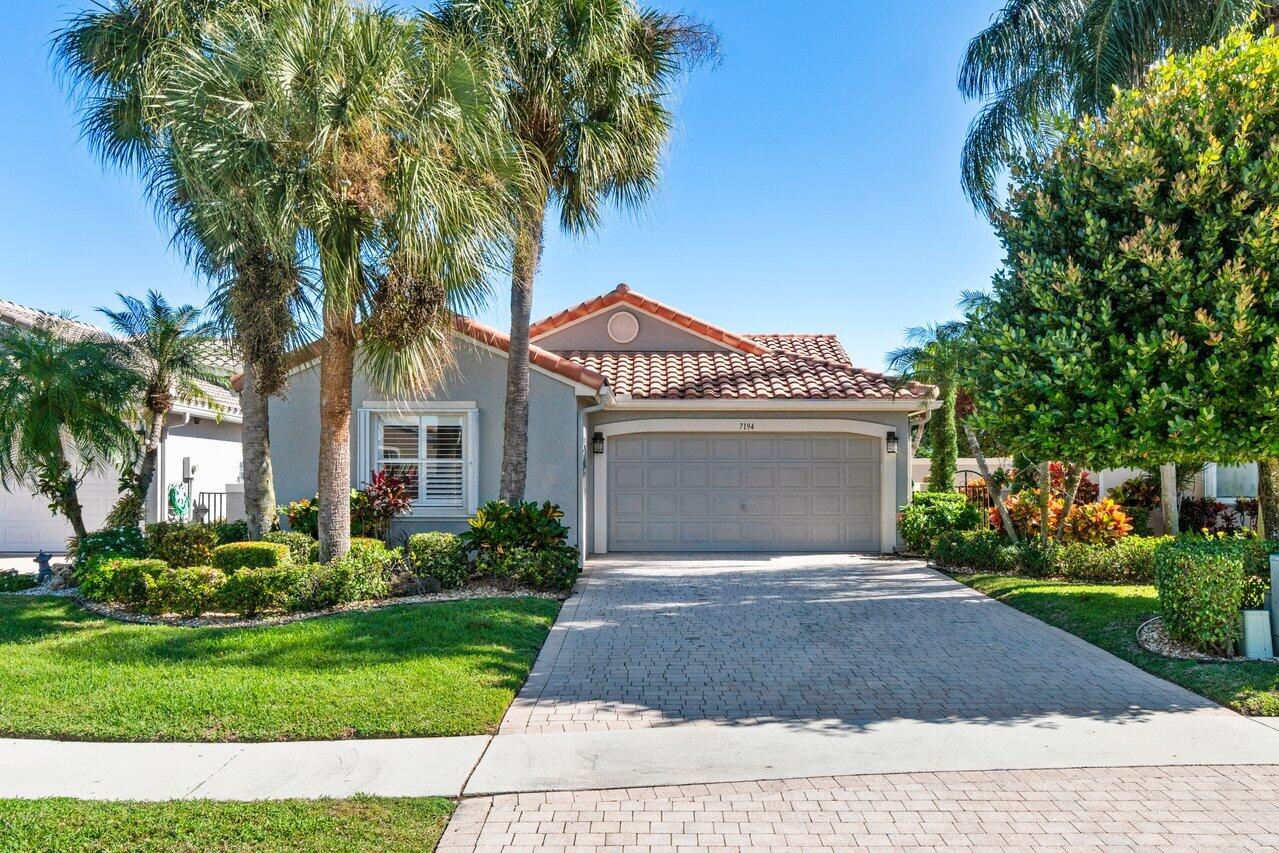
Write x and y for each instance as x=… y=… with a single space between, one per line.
x=584 y=459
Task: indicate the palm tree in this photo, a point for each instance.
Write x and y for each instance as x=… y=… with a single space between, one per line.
x=1039 y=60
x=171 y=348
x=63 y=416
x=934 y=356
x=115 y=55
x=587 y=87
x=375 y=146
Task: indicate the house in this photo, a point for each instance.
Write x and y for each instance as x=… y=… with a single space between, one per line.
x=200 y=452
x=652 y=430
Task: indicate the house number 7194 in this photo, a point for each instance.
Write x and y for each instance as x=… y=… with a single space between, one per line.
x=746 y=425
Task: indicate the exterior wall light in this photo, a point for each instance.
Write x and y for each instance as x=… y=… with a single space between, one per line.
x=891 y=441
x=597 y=442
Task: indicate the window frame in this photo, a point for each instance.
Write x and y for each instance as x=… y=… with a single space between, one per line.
x=467 y=411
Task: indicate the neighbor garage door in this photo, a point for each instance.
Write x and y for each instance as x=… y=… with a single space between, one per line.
x=758 y=492
x=27 y=526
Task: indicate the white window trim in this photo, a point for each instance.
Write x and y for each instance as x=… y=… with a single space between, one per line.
x=470 y=414
x=887 y=471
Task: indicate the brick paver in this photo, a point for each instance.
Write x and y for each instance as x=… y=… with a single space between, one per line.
x=741 y=640
x=1161 y=808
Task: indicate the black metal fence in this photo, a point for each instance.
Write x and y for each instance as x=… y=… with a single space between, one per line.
x=214 y=504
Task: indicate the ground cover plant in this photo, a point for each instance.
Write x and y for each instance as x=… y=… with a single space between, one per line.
x=444 y=668
x=1108 y=616
x=360 y=823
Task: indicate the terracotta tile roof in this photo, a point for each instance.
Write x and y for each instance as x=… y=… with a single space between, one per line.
x=623 y=294
x=485 y=335
x=824 y=347
x=776 y=375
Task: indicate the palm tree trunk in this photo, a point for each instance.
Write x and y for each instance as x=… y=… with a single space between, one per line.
x=1268 y=498
x=259 y=484
x=944 y=444
x=996 y=499
x=150 y=452
x=68 y=496
x=528 y=255
x=337 y=362
x=1168 y=499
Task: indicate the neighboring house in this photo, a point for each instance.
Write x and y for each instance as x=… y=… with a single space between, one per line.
x=651 y=429
x=201 y=442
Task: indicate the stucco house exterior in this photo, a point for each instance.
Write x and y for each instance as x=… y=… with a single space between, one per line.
x=652 y=430
x=199 y=451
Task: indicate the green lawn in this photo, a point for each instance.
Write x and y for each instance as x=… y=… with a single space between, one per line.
x=1108 y=616
x=413 y=670
x=304 y=825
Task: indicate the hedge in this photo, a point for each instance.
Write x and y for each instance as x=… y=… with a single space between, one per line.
x=441 y=556
x=120 y=580
x=1201 y=588
x=931 y=514
x=250 y=555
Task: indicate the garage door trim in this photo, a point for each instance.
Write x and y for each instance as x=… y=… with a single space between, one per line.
x=745 y=426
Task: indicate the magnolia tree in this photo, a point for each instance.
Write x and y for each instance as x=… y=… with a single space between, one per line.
x=1135 y=321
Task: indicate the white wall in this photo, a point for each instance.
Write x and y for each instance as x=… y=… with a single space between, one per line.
x=212 y=447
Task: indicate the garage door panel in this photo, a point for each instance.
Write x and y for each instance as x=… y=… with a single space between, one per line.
x=785 y=492
x=27 y=525
x=627 y=448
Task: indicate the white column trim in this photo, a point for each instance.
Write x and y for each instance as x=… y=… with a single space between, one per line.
x=887 y=469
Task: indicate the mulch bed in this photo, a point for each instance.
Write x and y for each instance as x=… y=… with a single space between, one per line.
x=1152 y=637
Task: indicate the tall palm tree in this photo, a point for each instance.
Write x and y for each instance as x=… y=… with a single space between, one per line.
x=935 y=356
x=62 y=416
x=115 y=56
x=373 y=145
x=586 y=96
x=171 y=348
x=1039 y=60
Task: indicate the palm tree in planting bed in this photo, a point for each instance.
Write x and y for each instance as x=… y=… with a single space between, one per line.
x=171 y=348
x=63 y=416
x=374 y=145
x=117 y=56
x=586 y=94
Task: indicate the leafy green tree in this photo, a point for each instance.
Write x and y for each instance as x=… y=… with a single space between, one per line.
x=64 y=414
x=1042 y=59
x=586 y=94
x=1135 y=321
x=171 y=348
x=376 y=145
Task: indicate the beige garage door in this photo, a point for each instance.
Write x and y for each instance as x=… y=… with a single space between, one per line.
x=758 y=492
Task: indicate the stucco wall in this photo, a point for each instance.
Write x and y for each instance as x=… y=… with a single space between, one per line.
x=478 y=376
x=898 y=421
x=654 y=335
x=214 y=450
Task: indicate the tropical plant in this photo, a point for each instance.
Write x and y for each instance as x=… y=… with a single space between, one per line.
x=1132 y=323
x=586 y=91
x=380 y=501
x=118 y=55
x=934 y=355
x=66 y=413
x=1038 y=60
x=499 y=527
x=171 y=348
x=931 y=514
x=376 y=145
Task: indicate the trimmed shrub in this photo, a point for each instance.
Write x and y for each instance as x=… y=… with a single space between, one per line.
x=250 y=555
x=251 y=591
x=980 y=550
x=302 y=548
x=441 y=556
x=320 y=586
x=930 y=514
x=181 y=545
x=1130 y=560
x=367 y=543
x=12 y=581
x=498 y=527
x=227 y=532
x=108 y=542
x=1200 y=587
x=1254 y=592
x=552 y=569
x=187 y=591
x=1037 y=560
x=121 y=580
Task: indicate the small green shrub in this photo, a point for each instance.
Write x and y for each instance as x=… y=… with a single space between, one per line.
x=187 y=591
x=441 y=556
x=227 y=532
x=302 y=548
x=552 y=569
x=1254 y=592
x=251 y=591
x=1130 y=560
x=108 y=542
x=1036 y=559
x=181 y=544
x=498 y=527
x=367 y=543
x=12 y=581
x=320 y=586
x=930 y=514
x=250 y=555
x=981 y=550
x=121 y=580
x=1200 y=586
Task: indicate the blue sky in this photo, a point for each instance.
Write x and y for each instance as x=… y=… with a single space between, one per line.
x=812 y=184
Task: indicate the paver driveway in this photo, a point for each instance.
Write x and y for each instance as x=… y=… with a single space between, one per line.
x=834 y=640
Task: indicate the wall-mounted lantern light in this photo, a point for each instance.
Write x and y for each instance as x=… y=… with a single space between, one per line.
x=891 y=441
x=597 y=442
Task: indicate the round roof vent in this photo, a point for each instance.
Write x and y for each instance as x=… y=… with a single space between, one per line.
x=623 y=327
